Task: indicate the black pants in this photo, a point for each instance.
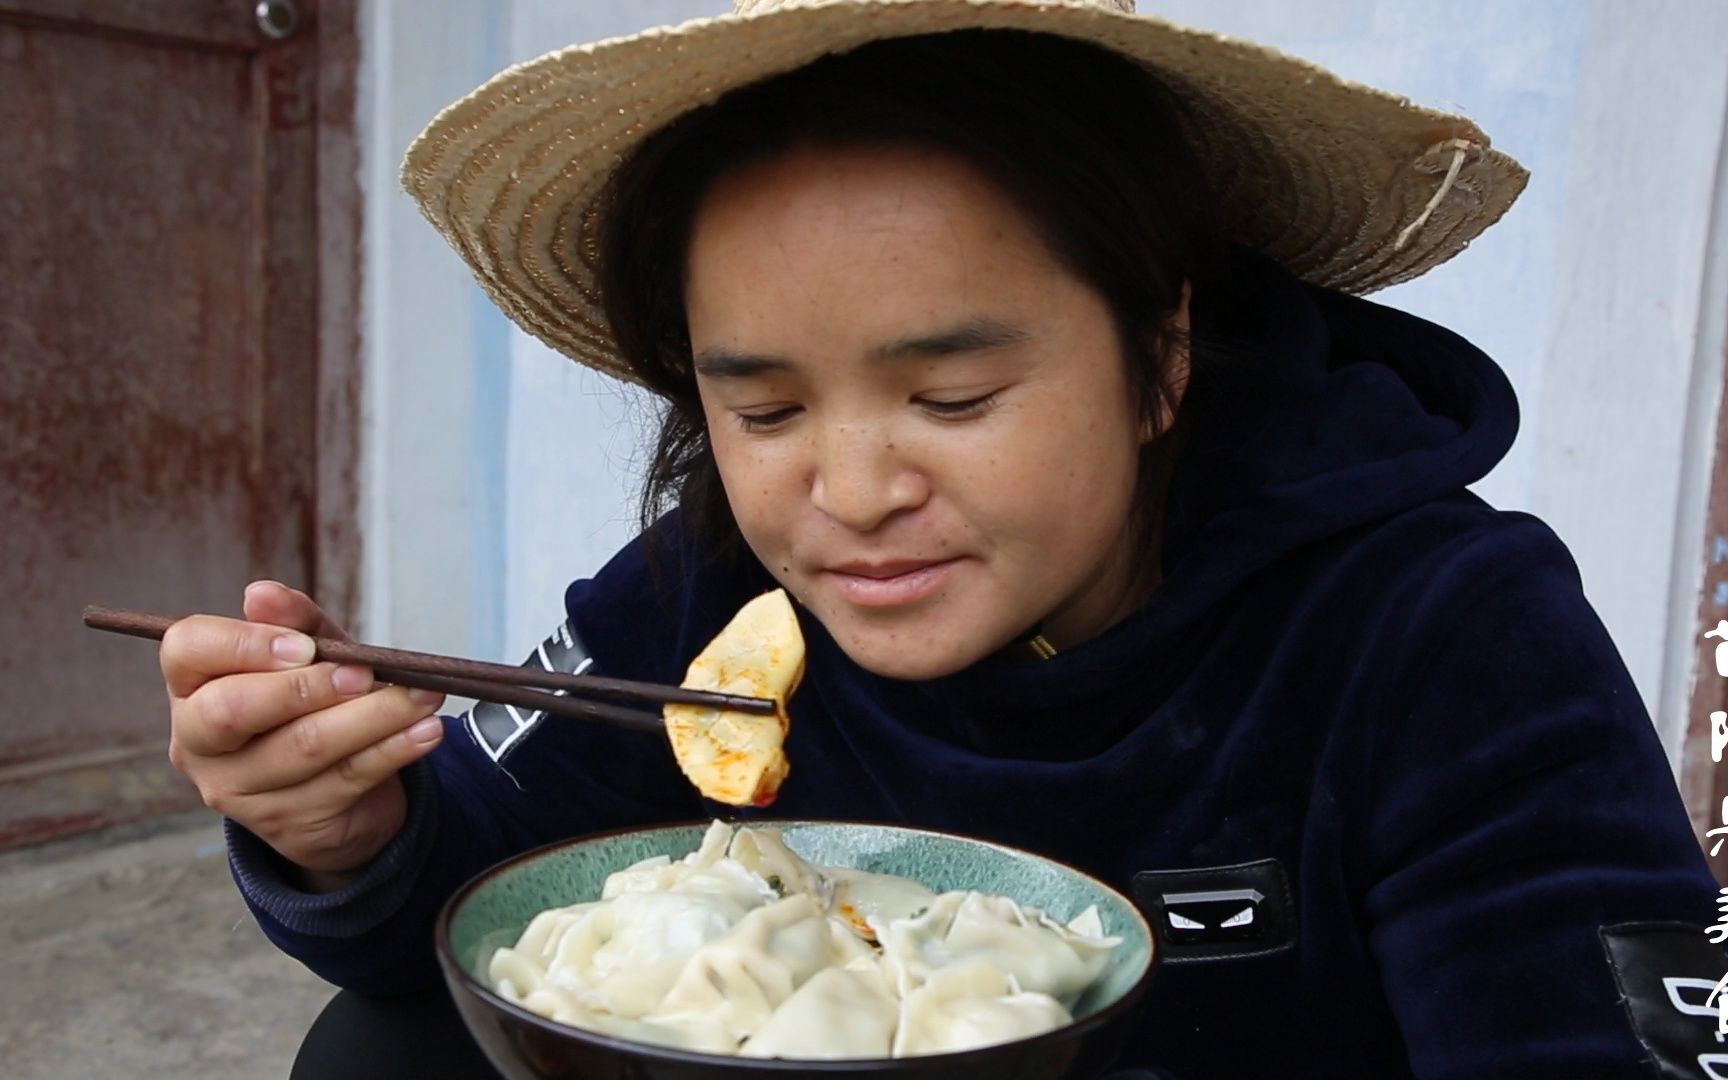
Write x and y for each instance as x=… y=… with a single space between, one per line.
x=413 y=1037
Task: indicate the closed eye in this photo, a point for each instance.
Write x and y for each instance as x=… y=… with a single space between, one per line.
x=960 y=410
x=767 y=421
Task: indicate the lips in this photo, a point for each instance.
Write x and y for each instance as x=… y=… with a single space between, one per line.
x=880 y=571
x=894 y=583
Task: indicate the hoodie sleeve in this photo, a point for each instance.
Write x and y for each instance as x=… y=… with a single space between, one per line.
x=1534 y=884
x=502 y=782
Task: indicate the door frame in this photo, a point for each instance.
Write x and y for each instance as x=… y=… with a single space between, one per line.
x=1702 y=596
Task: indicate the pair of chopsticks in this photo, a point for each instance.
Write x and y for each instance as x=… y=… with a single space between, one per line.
x=505 y=684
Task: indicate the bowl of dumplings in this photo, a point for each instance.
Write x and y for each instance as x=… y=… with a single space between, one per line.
x=792 y=948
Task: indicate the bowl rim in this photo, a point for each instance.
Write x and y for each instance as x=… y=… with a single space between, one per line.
x=454 y=968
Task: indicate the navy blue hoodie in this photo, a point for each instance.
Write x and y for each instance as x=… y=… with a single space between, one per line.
x=1371 y=713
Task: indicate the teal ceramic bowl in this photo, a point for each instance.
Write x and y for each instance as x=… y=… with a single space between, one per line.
x=492 y=910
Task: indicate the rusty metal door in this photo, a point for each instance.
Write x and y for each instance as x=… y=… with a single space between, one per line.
x=164 y=430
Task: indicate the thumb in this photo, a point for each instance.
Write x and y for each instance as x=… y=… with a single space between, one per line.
x=276 y=604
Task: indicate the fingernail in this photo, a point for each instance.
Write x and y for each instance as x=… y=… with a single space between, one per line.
x=351 y=679
x=294 y=648
x=426 y=730
x=425 y=697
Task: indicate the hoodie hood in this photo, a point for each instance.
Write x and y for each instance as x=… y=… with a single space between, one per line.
x=1316 y=412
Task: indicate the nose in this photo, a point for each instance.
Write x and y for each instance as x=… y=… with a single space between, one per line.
x=860 y=479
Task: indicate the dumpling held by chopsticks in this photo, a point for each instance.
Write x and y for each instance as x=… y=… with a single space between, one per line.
x=734 y=757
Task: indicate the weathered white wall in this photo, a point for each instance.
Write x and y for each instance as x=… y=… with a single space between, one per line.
x=495 y=471
x=499 y=471
x=430 y=492
x=574 y=453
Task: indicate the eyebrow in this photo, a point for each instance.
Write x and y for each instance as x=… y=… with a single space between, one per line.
x=974 y=335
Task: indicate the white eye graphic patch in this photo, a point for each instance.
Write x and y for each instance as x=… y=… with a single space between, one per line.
x=1211 y=916
x=1180 y=921
x=1218 y=913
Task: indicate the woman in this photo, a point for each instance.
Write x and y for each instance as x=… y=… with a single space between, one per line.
x=1114 y=538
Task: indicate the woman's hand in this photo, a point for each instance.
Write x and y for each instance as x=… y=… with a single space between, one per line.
x=303 y=755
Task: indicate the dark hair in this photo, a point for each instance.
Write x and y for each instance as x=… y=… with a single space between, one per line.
x=1086 y=142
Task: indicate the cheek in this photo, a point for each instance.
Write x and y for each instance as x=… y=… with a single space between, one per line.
x=1052 y=471
x=760 y=480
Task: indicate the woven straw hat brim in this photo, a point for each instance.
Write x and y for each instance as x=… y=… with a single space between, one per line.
x=1346 y=185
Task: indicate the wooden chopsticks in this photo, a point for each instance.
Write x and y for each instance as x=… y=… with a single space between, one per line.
x=505 y=684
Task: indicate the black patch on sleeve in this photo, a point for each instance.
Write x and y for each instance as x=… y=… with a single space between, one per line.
x=1674 y=984
x=500 y=729
x=1218 y=912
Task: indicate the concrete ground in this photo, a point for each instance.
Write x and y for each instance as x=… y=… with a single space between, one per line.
x=128 y=953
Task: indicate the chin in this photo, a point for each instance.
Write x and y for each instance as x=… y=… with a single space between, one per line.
x=911 y=661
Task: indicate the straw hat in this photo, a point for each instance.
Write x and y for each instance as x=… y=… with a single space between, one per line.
x=1347 y=186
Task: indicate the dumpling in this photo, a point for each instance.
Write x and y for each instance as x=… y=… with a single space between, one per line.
x=698 y=1033
x=970 y=1005
x=735 y=757
x=743 y=976
x=545 y=928
x=844 y=1012
x=764 y=853
x=1039 y=953
x=708 y=871
x=517 y=971
x=618 y=957
x=866 y=901
x=715 y=841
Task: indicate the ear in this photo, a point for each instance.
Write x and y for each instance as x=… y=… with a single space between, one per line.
x=1176 y=369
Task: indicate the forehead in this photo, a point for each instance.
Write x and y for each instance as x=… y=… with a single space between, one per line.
x=827 y=243
x=815 y=196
